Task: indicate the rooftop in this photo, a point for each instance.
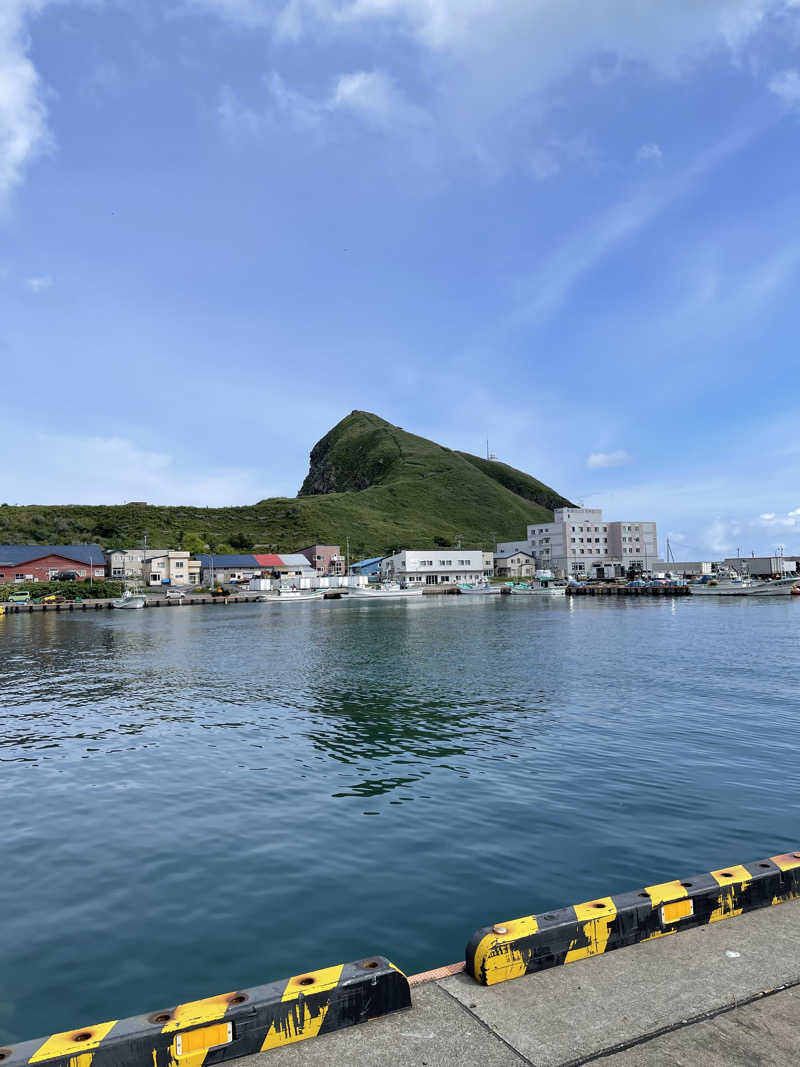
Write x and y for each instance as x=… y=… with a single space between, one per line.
x=209 y=559
x=13 y=555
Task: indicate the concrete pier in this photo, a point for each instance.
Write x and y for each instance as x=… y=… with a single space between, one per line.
x=725 y=994
x=150 y=602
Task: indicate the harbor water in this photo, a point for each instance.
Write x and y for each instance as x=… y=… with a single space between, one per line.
x=200 y=800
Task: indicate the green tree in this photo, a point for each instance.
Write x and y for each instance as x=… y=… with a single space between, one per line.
x=223 y=549
x=193 y=542
x=241 y=541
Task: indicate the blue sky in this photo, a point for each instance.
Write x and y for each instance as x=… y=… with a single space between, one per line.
x=570 y=226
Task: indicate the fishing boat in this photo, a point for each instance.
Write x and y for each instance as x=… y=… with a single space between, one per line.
x=479 y=589
x=735 y=585
x=128 y=600
x=773 y=587
x=385 y=591
x=537 y=589
x=292 y=596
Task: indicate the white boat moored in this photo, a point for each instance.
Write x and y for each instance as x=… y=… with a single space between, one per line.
x=538 y=589
x=128 y=600
x=479 y=589
x=385 y=591
x=293 y=596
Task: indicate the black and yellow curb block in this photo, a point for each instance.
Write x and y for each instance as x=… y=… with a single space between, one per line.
x=234 y=1024
x=522 y=946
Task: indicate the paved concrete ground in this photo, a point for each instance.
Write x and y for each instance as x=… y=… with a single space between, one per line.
x=722 y=994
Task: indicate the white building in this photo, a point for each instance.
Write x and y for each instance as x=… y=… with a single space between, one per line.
x=580 y=540
x=435 y=566
x=514 y=563
x=171 y=568
x=127 y=562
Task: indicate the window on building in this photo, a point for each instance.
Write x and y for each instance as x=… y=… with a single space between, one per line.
x=178 y=562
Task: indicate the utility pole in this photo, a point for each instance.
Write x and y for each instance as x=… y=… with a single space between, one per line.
x=347 y=555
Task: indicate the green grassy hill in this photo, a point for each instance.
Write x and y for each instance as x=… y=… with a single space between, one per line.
x=369 y=481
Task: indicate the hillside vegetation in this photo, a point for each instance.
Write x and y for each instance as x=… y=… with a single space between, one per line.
x=369 y=480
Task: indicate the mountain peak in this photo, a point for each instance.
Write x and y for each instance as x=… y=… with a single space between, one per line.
x=357 y=453
x=364 y=451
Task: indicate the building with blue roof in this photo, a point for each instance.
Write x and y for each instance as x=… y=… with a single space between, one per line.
x=367 y=567
x=241 y=567
x=40 y=563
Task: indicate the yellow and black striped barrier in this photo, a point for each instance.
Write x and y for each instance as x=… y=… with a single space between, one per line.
x=522 y=946
x=228 y=1026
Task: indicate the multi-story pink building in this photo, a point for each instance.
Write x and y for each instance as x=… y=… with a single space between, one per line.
x=325 y=559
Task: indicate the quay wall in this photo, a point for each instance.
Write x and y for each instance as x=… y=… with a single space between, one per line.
x=630 y=590
x=150 y=602
x=312 y=1003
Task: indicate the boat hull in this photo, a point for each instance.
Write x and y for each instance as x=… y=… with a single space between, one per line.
x=384 y=594
x=548 y=591
x=128 y=604
x=292 y=598
x=778 y=587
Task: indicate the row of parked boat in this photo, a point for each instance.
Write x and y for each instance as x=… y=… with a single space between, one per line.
x=293 y=595
x=719 y=585
x=391 y=590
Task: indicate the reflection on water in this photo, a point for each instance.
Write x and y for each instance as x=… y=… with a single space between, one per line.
x=365 y=691
x=311 y=784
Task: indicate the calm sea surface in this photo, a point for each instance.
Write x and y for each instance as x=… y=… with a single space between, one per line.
x=200 y=799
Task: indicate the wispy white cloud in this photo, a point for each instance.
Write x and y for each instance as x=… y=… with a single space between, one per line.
x=771 y=273
x=580 y=253
x=375 y=98
x=650 y=153
x=57 y=468
x=717 y=537
x=786 y=85
x=238 y=120
x=371 y=97
x=600 y=460
x=554 y=154
x=790 y=520
x=40 y=284
x=23 y=119
x=484 y=66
